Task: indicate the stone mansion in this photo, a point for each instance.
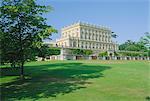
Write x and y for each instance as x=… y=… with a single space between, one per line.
x=87 y=36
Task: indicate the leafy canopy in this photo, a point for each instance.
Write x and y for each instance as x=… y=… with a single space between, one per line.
x=81 y=52
x=132 y=46
x=22 y=29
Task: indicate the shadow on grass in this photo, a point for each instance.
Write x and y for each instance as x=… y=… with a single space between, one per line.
x=49 y=80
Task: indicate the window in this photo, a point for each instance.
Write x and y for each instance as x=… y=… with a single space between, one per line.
x=86 y=46
x=93 y=37
x=99 y=37
x=93 y=45
x=85 y=35
x=99 y=46
x=96 y=36
x=74 y=44
x=81 y=35
x=70 y=44
x=106 y=46
x=96 y=45
x=89 y=45
x=82 y=45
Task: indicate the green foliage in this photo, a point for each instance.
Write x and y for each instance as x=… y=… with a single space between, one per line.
x=145 y=40
x=116 y=54
x=53 y=51
x=87 y=52
x=103 y=54
x=42 y=51
x=77 y=51
x=45 y=50
x=22 y=29
x=149 y=53
x=132 y=46
x=81 y=52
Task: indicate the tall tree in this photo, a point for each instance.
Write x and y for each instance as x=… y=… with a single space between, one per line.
x=132 y=46
x=22 y=28
x=146 y=40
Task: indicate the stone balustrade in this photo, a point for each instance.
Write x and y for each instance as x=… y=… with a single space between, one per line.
x=73 y=57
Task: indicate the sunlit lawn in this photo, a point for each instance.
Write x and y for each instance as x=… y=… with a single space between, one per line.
x=79 y=81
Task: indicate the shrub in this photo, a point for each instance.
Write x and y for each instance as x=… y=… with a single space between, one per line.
x=103 y=54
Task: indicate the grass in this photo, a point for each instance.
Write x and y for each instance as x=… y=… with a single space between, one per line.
x=78 y=81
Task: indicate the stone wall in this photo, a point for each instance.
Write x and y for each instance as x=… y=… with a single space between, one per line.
x=73 y=57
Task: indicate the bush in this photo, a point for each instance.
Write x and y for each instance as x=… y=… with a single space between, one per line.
x=81 y=52
x=87 y=52
x=53 y=51
x=103 y=54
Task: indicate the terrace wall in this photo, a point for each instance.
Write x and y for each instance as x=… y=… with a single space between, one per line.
x=73 y=57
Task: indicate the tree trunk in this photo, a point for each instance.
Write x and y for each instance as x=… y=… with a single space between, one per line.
x=22 y=71
x=43 y=58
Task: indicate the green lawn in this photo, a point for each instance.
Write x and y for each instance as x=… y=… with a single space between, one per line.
x=79 y=81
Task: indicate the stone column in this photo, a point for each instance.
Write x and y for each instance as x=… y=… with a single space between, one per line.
x=104 y=58
x=89 y=57
x=125 y=58
x=74 y=57
x=63 y=53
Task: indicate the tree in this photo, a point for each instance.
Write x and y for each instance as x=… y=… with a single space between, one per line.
x=87 y=52
x=145 y=40
x=81 y=52
x=132 y=46
x=103 y=54
x=125 y=45
x=45 y=50
x=53 y=51
x=22 y=29
x=77 y=51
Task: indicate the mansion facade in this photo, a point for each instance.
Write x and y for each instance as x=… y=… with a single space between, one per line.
x=87 y=36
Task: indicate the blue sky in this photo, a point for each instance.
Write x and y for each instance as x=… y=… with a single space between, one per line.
x=127 y=18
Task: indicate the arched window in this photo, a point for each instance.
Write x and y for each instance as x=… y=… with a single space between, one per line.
x=85 y=35
x=89 y=45
x=93 y=37
x=86 y=45
x=93 y=45
x=82 y=45
x=96 y=36
x=74 y=44
x=102 y=39
x=70 y=44
x=82 y=35
x=97 y=45
x=99 y=37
